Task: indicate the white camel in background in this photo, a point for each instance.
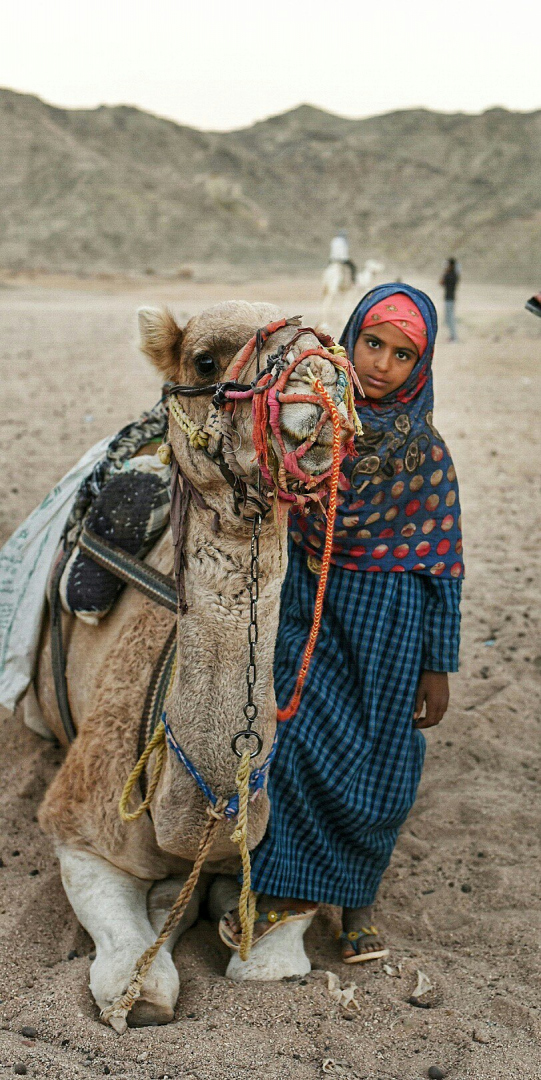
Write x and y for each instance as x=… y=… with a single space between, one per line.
x=341 y=289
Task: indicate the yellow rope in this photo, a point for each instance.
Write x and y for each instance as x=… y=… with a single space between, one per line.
x=156 y=743
x=247 y=900
x=196 y=436
x=121 y=1007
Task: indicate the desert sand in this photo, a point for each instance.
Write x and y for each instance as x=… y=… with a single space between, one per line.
x=461 y=899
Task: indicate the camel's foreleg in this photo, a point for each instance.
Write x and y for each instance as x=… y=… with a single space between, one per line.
x=112 y=907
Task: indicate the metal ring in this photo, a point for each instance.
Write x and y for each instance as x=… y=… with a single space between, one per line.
x=247 y=735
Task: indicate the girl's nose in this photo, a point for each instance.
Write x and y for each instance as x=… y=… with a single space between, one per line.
x=382 y=359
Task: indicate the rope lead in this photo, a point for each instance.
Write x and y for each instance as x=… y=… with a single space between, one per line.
x=247 y=899
x=292 y=708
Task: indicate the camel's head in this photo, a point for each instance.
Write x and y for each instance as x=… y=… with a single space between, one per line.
x=204 y=352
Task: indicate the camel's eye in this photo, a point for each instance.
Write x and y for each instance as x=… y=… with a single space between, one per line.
x=205 y=364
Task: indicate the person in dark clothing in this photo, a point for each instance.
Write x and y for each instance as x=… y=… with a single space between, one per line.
x=450 y=280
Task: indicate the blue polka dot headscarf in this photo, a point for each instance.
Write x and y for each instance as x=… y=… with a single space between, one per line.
x=398 y=503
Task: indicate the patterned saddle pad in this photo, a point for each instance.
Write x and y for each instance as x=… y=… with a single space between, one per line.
x=131 y=510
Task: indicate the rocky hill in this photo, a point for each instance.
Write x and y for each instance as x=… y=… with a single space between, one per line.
x=118 y=189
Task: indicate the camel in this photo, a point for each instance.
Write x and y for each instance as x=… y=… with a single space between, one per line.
x=340 y=288
x=121 y=879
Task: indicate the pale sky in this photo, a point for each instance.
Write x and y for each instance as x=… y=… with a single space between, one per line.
x=220 y=64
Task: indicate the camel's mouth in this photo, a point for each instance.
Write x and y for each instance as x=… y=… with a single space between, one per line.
x=299 y=420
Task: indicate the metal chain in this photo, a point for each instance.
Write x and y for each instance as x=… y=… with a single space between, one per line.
x=250 y=709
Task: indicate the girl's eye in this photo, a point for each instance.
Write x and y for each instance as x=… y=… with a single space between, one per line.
x=205 y=364
x=374 y=344
x=402 y=355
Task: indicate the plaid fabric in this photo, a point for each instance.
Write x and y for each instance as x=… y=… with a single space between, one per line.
x=347 y=767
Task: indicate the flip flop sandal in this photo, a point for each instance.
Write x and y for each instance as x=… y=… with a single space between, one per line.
x=355 y=938
x=273 y=919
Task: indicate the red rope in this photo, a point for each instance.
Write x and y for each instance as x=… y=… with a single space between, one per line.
x=291 y=709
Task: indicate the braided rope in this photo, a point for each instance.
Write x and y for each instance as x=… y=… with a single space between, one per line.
x=291 y=709
x=247 y=899
x=196 y=436
x=120 y=1008
x=156 y=743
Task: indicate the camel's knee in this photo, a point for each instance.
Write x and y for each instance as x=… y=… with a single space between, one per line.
x=223 y=896
x=161 y=898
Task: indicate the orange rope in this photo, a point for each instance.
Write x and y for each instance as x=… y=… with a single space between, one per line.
x=291 y=709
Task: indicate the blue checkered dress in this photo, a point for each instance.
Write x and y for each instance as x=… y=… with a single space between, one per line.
x=348 y=765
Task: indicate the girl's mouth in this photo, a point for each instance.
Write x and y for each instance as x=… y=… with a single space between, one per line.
x=375 y=381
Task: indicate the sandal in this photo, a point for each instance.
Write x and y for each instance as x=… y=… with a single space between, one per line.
x=273 y=919
x=355 y=938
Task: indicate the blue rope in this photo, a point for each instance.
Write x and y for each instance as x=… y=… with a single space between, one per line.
x=257 y=776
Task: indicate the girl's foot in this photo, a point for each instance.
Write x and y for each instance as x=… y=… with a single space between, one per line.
x=359 y=938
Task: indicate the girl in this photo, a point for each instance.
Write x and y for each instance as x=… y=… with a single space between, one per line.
x=348 y=765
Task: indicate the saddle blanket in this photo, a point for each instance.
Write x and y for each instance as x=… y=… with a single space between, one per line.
x=25 y=562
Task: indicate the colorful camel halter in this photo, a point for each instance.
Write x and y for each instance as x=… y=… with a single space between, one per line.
x=281 y=470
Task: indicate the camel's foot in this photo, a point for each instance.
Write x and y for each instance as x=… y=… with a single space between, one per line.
x=112 y=906
x=111 y=973
x=279 y=955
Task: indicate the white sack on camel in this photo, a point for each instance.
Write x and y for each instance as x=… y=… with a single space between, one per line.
x=25 y=561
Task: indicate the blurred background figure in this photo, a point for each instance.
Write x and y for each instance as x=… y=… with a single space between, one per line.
x=339 y=252
x=370 y=271
x=338 y=281
x=450 y=280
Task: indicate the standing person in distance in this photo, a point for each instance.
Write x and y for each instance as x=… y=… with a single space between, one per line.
x=450 y=280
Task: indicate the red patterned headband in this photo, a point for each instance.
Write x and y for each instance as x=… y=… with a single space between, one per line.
x=400 y=311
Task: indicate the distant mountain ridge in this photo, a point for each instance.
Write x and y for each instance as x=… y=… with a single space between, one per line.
x=119 y=189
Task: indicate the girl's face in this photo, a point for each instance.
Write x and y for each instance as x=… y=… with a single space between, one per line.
x=383 y=359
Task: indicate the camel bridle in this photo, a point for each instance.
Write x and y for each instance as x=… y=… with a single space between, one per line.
x=280 y=472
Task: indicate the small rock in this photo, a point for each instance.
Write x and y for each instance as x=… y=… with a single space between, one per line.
x=2 y=863
x=15 y=853
x=33 y=873
x=29 y=1032
x=435 y=1073
x=19 y=1069
x=106 y=1070
x=92 y=954
x=72 y=955
x=480 y=1036
x=466 y=887
x=418 y=1004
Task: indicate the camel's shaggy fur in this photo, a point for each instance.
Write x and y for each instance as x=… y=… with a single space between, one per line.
x=109 y=667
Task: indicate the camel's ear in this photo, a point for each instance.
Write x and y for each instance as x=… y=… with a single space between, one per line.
x=161 y=339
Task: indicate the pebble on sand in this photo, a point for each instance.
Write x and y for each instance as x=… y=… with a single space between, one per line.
x=435 y=1073
x=19 y=1069
x=29 y=1032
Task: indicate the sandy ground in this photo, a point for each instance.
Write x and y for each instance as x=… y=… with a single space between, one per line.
x=461 y=898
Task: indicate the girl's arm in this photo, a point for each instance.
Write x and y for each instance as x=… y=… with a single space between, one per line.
x=441 y=640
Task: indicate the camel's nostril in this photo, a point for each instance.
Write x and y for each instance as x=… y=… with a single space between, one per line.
x=323 y=369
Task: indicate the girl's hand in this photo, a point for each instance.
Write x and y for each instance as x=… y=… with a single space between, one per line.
x=433 y=692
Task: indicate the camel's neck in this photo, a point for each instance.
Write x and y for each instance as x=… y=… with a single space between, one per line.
x=205 y=707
